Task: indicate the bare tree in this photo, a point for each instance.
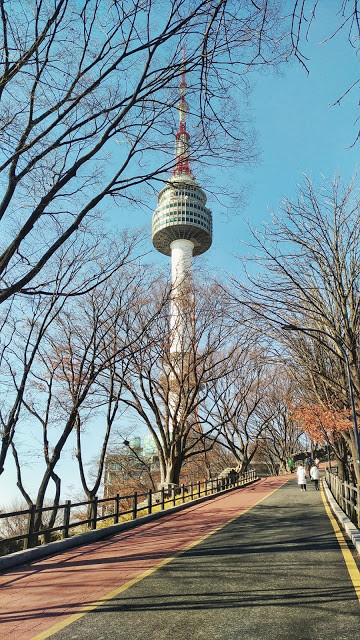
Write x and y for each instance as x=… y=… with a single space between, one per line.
x=241 y=400
x=209 y=463
x=282 y=436
x=86 y=89
x=87 y=261
x=172 y=395
x=67 y=385
x=311 y=279
x=85 y=94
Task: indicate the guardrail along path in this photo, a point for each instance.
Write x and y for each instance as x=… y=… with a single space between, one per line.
x=272 y=568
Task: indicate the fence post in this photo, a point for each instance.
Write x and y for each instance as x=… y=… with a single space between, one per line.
x=149 y=501
x=173 y=496
x=134 y=514
x=199 y=489
x=94 y=510
x=191 y=491
x=30 y=538
x=162 y=498
x=117 y=508
x=352 y=512
x=183 y=493
x=66 y=519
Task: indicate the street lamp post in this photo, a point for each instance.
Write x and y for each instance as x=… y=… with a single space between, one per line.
x=307 y=330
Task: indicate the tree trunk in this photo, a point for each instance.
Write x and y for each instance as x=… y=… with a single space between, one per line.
x=341 y=464
x=171 y=473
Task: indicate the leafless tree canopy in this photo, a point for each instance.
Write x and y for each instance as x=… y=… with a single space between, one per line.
x=86 y=90
x=172 y=393
x=48 y=341
x=311 y=279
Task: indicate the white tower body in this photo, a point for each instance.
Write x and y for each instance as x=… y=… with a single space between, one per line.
x=181 y=228
x=181 y=296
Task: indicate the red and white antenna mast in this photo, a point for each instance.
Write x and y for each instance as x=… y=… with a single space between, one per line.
x=182 y=137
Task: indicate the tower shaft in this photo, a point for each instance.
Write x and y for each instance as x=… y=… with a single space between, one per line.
x=181 y=320
x=181 y=228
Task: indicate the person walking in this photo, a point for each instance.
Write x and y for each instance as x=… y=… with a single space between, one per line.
x=290 y=463
x=301 y=474
x=309 y=461
x=314 y=475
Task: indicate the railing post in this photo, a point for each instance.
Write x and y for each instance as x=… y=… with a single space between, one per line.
x=183 y=493
x=30 y=538
x=205 y=487
x=199 y=489
x=191 y=491
x=173 y=496
x=149 y=501
x=134 y=513
x=162 y=498
x=352 y=512
x=117 y=508
x=66 y=519
x=94 y=510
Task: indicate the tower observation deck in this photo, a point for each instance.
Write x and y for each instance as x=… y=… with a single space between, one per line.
x=182 y=214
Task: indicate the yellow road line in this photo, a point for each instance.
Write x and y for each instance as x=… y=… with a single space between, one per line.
x=97 y=603
x=351 y=566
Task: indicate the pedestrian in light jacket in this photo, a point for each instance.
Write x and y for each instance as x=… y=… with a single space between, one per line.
x=314 y=475
x=301 y=474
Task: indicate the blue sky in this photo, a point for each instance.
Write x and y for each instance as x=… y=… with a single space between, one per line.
x=297 y=133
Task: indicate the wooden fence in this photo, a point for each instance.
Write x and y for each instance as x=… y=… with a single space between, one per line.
x=111 y=510
x=346 y=495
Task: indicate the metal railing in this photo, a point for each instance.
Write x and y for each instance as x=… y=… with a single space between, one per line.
x=112 y=510
x=346 y=495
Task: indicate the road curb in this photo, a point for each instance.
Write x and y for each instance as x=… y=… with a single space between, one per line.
x=52 y=548
x=352 y=531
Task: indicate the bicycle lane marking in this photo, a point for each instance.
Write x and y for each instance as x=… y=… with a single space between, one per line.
x=124 y=587
x=351 y=566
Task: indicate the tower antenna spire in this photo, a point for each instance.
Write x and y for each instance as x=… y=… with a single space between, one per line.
x=182 y=137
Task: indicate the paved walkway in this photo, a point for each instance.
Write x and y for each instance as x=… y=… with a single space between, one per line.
x=259 y=562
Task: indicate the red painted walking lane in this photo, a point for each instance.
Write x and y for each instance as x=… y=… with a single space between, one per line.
x=38 y=595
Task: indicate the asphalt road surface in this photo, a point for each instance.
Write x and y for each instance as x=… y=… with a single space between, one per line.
x=274 y=572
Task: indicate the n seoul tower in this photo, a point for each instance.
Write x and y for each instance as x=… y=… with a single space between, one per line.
x=181 y=228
